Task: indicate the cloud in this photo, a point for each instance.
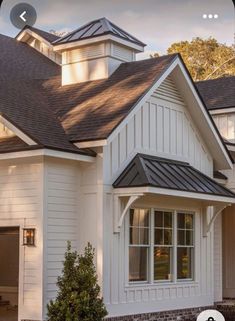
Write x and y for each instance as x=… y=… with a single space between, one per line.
x=156 y=22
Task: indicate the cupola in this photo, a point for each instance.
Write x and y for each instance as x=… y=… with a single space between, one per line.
x=95 y=51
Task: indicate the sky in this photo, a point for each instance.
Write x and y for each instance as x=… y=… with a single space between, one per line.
x=158 y=23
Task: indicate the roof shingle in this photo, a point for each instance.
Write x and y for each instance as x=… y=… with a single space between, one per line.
x=218 y=93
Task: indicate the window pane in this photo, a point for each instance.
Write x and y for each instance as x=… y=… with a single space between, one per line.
x=144 y=218
x=181 y=239
x=184 y=263
x=158 y=219
x=139 y=217
x=144 y=236
x=134 y=235
x=162 y=263
x=189 y=238
x=181 y=220
x=167 y=219
x=189 y=221
x=133 y=218
x=168 y=237
x=138 y=263
x=158 y=237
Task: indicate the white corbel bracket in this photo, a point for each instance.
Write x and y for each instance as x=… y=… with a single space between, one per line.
x=208 y=225
x=119 y=218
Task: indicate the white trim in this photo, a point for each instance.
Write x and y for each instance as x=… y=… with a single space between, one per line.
x=119 y=219
x=21 y=36
x=222 y=111
x=212 y=199
x=92 y=143
x=47 y=152
x=17 y=131
x=79 y=43
x=207 y=225
x=211 y=125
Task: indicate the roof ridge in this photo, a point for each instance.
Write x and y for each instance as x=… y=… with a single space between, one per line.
x=107 y=27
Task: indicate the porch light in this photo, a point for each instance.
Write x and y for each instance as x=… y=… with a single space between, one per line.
x=29 y=236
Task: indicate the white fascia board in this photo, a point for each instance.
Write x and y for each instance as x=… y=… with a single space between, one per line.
x=29 y=32
x=174 y=193
x=90 y=144
x=47 y=152
x=17 y=131
x=210 y=123
x=231 y=148
x=226 y=110
x=143 y=100
x=80 y=43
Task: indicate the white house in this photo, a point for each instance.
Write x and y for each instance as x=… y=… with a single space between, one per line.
x=96 y=146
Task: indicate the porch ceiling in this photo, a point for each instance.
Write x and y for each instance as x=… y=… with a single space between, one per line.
x=169 y=177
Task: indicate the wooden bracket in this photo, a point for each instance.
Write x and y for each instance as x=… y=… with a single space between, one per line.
x=216 y=211
x=118 y=219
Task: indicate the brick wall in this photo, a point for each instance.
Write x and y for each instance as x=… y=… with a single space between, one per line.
x=173 y=315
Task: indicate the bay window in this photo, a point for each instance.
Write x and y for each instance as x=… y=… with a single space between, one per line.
x=161 y=245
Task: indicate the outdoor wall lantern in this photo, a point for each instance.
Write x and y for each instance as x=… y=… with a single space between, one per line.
x=29 y=236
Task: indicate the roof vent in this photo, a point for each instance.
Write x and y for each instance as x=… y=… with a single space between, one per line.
x=95 y=51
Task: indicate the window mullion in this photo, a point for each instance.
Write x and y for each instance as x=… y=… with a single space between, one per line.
x=174 y=268
x=151 y=247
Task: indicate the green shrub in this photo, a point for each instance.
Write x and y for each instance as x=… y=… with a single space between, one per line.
x=78 y=297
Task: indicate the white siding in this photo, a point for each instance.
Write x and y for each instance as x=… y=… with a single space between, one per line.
x=21 y=205
x=161 y=127
x=61 y=200
x=73 y=211
x=226 y=125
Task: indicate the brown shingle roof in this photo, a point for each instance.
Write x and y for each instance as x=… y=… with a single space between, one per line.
x=92 y=110
x=46 y=35
x=20 y=61
x=22 y=100
x=218 y=93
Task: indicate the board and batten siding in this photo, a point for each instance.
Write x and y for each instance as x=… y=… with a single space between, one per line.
x=21 y=205
x=122 y=297
x=161 y=127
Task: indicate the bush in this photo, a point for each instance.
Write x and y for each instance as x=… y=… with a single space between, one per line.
x=78 y=294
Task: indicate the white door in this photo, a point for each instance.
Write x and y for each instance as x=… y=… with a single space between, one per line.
x=229 y=252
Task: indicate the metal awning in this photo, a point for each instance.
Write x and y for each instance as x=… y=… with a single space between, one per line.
x=169 y=178
x=151 y=171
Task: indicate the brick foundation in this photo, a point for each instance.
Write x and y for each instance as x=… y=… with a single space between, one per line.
x=173 y=315
x=227 y=310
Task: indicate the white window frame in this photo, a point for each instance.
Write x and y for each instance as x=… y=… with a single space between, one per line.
x=174 y=280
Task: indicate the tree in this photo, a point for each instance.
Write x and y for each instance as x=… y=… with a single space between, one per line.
x=206 y=58
x=78 y=295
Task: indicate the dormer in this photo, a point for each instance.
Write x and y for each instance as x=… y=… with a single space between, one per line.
x=41 y=41
x=95 y=51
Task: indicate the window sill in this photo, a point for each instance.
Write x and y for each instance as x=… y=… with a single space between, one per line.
x=161 y=284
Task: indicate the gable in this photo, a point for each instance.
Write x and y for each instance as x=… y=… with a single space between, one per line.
x=162 y=127
x=13 y=135
x=40 y=41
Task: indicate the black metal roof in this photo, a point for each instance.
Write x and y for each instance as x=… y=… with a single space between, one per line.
x=96 y=28
x=145 y=170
